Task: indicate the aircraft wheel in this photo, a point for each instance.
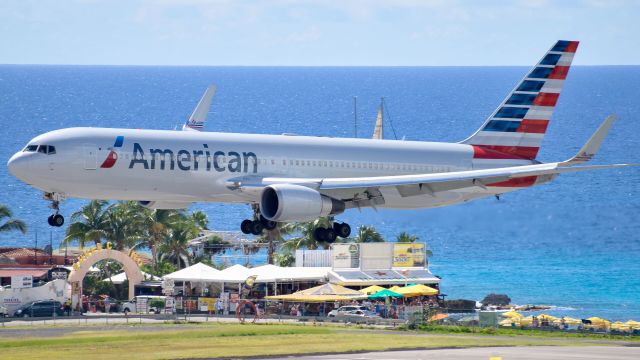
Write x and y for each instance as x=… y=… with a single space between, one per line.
x=268 y=224
x=245 y=226
x=319 y=234
x=57 y=220
x=50 y=220
x=330 y=236
x=256 y=227
x=342 y=230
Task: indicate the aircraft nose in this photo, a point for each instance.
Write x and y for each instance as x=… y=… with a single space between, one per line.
x=19 y=166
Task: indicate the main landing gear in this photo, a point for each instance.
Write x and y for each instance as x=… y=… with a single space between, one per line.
x=258 y=224
x=54 y=219
x=330 y=234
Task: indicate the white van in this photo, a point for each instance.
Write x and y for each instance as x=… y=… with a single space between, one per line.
x=142 y=304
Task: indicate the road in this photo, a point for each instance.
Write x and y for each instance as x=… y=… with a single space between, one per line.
x=503 y=353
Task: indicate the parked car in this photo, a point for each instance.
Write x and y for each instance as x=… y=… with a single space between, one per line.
x=347 y=310
x=40 y=308
x=143 y=304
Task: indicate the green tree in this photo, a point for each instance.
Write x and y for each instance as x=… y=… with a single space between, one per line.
x=367 y=234
x=273 y=239
x=9 y=223
x=175 y=245
x=155 y=225
x=87 y=224
x=303 y=238
x=200 y=219
x=124 y=224
x=404 y=237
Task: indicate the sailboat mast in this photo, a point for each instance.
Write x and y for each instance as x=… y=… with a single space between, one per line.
x=355 y=115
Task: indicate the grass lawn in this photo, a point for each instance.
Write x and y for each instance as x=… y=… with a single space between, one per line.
x=235 y=340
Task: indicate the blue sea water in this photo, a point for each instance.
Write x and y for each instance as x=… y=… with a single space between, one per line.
x=574 y=243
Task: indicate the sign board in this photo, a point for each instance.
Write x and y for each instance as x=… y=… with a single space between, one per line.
x=206 y=304
x=409 y=255
x=346 y=256
x=58 y=273
x=376 y=256
x=21 y=282
x=169 y=305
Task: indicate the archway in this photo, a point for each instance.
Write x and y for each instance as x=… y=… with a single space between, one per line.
x=91 y=257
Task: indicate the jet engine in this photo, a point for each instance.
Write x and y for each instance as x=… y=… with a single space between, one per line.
x=288 y=202
x=164 y=205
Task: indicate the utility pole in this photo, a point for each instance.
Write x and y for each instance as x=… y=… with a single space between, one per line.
x=35 y=250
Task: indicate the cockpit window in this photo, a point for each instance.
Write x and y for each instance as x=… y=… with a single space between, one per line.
x=44 y=149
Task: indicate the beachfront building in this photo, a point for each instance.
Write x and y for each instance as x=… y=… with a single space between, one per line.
x=357 y=266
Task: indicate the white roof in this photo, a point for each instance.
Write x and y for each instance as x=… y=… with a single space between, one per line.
x=120 y=278
x=197 y=272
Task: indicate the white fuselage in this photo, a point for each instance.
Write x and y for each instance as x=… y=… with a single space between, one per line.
x=187 y=167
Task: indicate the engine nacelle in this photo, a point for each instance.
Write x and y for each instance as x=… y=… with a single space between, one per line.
x=164 y=205
x=288 y=202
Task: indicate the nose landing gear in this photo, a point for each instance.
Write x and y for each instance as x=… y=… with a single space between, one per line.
x=55 y=219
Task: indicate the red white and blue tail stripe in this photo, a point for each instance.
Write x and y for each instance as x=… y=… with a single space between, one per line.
x=516 y=129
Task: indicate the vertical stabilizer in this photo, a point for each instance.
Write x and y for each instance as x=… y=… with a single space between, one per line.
x=516 y=128
x=199 y=116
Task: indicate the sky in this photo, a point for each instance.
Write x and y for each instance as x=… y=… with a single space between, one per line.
x=315 y=32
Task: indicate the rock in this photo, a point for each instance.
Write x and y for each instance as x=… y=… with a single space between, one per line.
x=496 y=299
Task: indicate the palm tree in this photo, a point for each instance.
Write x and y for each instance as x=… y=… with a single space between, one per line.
x=273 y=238
x=88 y=224
x=123 y=224
x=404 y=237
x=200 y=219
x=156 y=225
x=368 y=234
x=176 y=243
x=11 y=224
x=305 y=238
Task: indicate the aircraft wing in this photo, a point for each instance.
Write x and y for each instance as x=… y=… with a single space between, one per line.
x=199 y=116
x=366 y=190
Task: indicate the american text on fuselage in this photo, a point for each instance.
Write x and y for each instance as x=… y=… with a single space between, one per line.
x=186 y=160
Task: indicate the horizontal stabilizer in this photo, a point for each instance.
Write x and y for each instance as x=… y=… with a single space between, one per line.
x=589 y=150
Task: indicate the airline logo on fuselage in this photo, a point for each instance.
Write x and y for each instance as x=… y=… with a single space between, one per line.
x=185 y=160
x=113 y=155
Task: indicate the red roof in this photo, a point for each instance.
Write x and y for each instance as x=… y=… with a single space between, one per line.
x=22 y=272
x=22 y=253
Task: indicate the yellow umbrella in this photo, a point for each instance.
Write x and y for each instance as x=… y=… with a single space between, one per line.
x=547 y=317
x=620 y=326
x=325 y=292
x=568 y=321
x=599 y=322
x=509 y=322
x=526 y=321
x=395 y=288
x=416 y=290
x=635 y=325
x=371 y=289
x=512 y=314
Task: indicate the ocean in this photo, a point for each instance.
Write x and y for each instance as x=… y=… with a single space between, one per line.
x=573 y=243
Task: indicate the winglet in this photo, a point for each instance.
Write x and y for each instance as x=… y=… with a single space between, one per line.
x=588 y=150
x=199 y=115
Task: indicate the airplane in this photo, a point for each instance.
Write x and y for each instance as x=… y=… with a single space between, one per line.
x=301 y=178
